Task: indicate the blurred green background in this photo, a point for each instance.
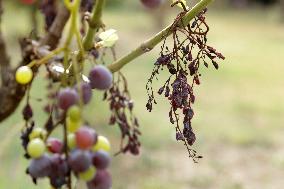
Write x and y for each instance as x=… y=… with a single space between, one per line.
x=239 y=109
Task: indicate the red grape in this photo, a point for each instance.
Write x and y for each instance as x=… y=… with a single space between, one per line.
x=101 y=159
x=102 y=180
x=79 y=160
x=100 y=78
x=86 y=92
x=40 y=167
x=85 y=137
x=54 y=145
x=67 y=97
x=151 y=3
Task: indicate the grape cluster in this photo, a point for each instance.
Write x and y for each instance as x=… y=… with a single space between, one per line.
x=82 y=152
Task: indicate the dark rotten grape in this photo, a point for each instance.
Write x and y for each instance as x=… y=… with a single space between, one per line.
x=67 y=97
x=79 y=160
x=102 y=180
x=40 y=167
x=100 y=78
x=151 y=3
x=101 y=159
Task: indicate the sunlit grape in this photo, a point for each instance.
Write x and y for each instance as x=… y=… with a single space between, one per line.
x=88 y=174
x=37 y=133
x=74 y=113
x=102 y=144
x=36 y=148
x=71 y=141
x=100 y=78
x=24 y=75
x=72 y=126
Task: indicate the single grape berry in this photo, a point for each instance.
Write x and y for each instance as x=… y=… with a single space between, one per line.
x=85 y=137
x=71 y=142
x=101 y=159
x=36 y=148
x=72 y=126
x=37 y=133
x=24 y=75
x=102 y=144
x=40 y=167
x=79 y=160
x=88 y=175
x=74 y=113
x=151 y=3
x=100 y=78
x=86 y=92
x=102 y=180
x=67 y=97
x=54 y=145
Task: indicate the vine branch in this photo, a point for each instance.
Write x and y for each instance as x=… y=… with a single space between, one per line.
x=153 y=41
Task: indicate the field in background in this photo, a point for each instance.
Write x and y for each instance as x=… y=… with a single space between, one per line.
x=239 y=110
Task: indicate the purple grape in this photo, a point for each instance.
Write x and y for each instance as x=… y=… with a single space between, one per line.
x=101 y=159
x=86 y=92
x=79 y=160
x=40 y=167
x=102 y=180
x=58 y=166
x=67 y=97
x=100 y=78
x=151 y=3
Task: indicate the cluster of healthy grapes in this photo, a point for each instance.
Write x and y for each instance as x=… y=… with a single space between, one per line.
x=83 y=152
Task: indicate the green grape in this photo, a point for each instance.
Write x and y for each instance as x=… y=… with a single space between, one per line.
x=72 y=126
x=102 y=144
x=74 y=113
x=89 y=174
x=36 y=148
x=71 y=142
x=37 y=133
x=24 y=75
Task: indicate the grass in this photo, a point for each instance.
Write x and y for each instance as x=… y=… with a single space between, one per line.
x=239 y=110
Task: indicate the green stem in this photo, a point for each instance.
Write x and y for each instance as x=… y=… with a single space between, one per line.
x=95 y=24
x=152 y=42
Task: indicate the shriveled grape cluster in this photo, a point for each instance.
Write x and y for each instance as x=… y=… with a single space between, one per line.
x=183 y=60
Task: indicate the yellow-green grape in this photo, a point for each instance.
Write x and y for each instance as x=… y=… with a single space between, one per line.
x=72 y=126
x=88 y=175
x=74 y=113
x=36 y=148
x=71 y=141
x=24 y=75
x=38 y=133
x=102 y=144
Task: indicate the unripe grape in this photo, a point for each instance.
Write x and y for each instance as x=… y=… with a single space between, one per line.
x=40 y=167
x=89 y=174
x=102 y=144
x=74 y=113
x=85 y=137
x=67 y=97
x=24 y=75
x=38 y=133
x=151 y=3
x=36 y=148
x=100 y=78
x=72 y=126
x=54 y=145
x=79 y=160
x=71 y=142
x=101 y=159
x=102 y=180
